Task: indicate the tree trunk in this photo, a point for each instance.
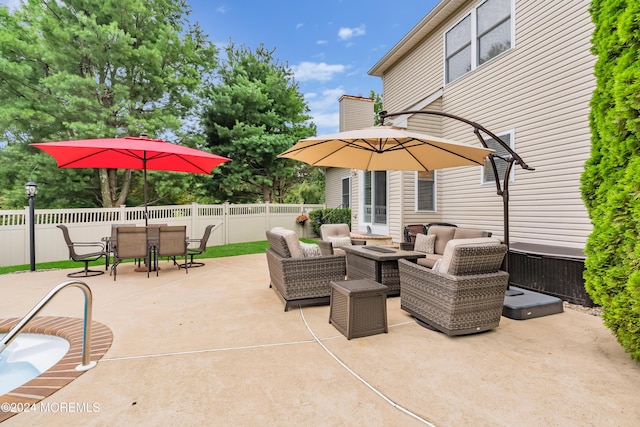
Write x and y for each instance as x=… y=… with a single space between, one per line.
x=109 y=187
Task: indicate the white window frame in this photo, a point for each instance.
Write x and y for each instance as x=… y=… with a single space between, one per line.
x=435 y=193
x=376 y=227
x=474 y=40
x=499 y=163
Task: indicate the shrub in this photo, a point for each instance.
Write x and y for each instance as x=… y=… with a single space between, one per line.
x=329 y=216
x=610 y=183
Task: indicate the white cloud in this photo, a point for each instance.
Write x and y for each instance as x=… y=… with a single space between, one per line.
x=324 y=109
x=319 y=71
x=346 y=33
x=11 y=4
x=222 y=9
x=321 y=42
x=300 y=25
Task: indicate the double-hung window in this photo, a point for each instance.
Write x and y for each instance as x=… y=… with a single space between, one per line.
x=483 y=34
x=425 y=191
x=346 y=192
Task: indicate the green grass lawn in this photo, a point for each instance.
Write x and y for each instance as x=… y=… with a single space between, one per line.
x=233 y=249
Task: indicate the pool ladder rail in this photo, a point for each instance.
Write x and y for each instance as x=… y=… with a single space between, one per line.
x=86 y=337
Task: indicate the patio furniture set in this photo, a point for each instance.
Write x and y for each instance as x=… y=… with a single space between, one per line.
x=460 y=292
x=128 y=241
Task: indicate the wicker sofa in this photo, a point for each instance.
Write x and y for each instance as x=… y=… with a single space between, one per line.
x=443 y=233
x=464 y=294
x=301 y=280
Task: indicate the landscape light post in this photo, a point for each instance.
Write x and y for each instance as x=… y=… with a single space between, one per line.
x=32 y=189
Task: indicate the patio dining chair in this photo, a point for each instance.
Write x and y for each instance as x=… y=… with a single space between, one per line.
x=200 y=248
x=131 y=243
x=172 y=242
x=78 y=252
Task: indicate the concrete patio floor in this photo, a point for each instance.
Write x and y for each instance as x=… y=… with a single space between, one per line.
x=214 y=347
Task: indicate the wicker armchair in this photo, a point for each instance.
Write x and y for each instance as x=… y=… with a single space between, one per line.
x=464 y=294
x=332 y=231
x=302 y=281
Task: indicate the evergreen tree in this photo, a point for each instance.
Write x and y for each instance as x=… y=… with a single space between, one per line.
x=611 y=179
x=78 y=69
x=255 y=112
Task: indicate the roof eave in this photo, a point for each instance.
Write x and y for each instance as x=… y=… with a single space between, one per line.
x=435 y=17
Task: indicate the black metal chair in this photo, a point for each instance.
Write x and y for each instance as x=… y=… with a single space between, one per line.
x=76 y=247
x=202 y=246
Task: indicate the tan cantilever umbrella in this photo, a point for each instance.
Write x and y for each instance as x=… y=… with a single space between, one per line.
x=385 y=148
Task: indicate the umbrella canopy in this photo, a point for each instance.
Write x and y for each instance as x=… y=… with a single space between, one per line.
x=131 y=153
x=385 y=148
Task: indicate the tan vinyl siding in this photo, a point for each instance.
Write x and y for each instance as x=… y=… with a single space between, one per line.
x=423 y=68
x=355 y=112
x=541 y=90
x=395 y=199
x=333 y=186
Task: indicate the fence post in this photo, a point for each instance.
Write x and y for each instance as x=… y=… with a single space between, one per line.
x=195 y=219
x=225 y=221
x=122 y=214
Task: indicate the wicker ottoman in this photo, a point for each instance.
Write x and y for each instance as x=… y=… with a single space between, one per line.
x=358 y=307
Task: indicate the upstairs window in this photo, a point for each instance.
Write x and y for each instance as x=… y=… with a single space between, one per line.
x=483 y=34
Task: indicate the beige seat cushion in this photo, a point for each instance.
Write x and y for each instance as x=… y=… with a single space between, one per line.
x=293 y=243
x=335 y=230
x=429 y=260
x=443 y=235
x=448 y=256
x=469 y=233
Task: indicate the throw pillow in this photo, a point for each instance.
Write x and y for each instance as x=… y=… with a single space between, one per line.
x=436 y=266
x=339 y=242
x=310 y=250
x=425 y=243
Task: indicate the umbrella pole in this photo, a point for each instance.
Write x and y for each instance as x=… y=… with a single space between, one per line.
x=146 y=211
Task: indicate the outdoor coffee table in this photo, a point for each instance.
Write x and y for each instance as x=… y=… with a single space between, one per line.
x=358 y=307
x=378 y=263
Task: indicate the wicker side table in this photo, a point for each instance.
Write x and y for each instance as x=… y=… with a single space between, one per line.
x=358 y=307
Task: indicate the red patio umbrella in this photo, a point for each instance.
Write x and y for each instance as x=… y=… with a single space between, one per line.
x=139 y=153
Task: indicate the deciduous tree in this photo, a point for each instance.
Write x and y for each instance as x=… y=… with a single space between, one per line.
x=77 y=69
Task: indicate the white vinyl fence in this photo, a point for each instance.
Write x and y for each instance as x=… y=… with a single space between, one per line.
x=235 y=224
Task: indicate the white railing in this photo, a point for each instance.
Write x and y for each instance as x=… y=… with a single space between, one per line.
x=239 y=223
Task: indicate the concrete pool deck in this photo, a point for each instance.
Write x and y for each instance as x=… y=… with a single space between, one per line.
x=214 y=347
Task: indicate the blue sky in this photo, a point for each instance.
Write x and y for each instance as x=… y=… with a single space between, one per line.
x=330 y=44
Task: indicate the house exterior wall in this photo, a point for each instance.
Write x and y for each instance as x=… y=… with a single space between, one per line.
x=540 y=89
x=333 y=186
x=356 y=112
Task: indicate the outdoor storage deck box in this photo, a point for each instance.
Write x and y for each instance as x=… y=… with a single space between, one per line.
x=552 y=270
x=358 y=307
